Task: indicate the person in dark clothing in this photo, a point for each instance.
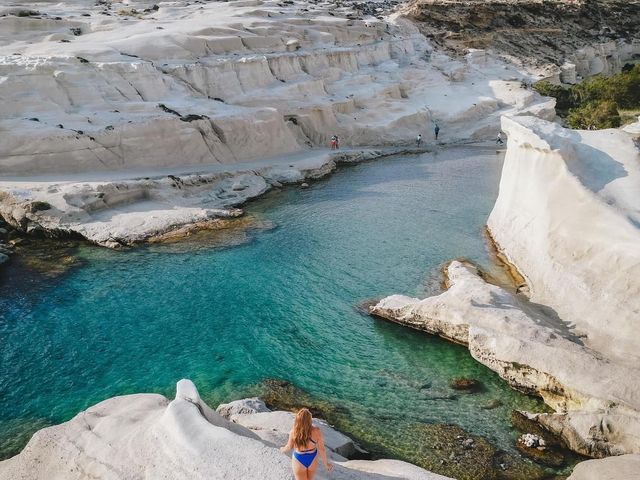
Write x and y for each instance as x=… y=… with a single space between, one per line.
x=436 y=130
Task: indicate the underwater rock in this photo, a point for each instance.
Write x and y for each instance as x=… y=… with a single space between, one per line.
x=535 y=448
x=490 y=405
x=469 y=385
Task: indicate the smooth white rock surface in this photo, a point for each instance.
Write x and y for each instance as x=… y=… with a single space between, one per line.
x=624 y=467
x=146 y=436
x=568 y=216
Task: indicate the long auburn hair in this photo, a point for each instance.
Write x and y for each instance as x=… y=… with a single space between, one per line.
x=302 y=427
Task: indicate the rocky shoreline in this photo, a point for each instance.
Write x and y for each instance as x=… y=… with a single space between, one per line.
x=118 y=213
x=148 y=436
x=551 y=338
x=270 y=82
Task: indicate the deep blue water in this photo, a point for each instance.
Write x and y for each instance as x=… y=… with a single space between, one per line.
x=273 y=299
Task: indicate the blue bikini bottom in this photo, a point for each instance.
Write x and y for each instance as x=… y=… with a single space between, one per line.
x=306 y=458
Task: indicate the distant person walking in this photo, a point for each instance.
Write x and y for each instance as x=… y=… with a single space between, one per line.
x=499 y=139
x=307 y=442
x=334 y=142
x=418 y=140
x=436 y=130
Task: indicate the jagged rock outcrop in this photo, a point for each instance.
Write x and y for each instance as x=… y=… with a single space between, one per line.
x=147 y=436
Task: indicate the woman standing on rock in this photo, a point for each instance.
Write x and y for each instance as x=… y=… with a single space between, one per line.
x=307 y=441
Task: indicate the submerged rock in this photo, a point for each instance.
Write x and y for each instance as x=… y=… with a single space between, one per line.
x=495 y=403
x=452 y=451
x=464 y=384
x=364 y=306
x=535 y=448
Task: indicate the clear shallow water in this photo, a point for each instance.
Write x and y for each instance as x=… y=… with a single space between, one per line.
x=278 y=303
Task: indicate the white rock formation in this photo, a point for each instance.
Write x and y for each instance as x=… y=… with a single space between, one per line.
x=604 y=58
x=274 y=427
x=113 y=212
x=190 y=88
x=147 y=436
x=624 y=467
x=200 y=83
x=568 y=216
x=597 y=400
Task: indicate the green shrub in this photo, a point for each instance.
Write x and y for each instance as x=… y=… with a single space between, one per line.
x=596 y=102
x=595 y=115
x=564 y=99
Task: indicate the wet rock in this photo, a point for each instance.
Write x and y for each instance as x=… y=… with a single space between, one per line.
x=304 y=185
x=3 y=258
x=525 y=425
x=464 y=384
x=364 y=306
x=535 y=448
x=283 y=395
x=491 y=404
x=449 y=450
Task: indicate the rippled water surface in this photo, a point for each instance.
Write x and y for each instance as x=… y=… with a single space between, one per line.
x=278 y=302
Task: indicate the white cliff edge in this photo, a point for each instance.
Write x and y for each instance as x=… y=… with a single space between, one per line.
x=568 y=217
x=148 y=436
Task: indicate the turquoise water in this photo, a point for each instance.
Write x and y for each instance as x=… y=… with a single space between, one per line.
x=272 y=300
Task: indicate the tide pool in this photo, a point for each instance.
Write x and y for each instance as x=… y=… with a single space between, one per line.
x=274 y=298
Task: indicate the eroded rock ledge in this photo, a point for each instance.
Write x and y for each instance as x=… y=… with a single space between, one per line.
x=114 y=213
x=147 y=436
x=597 y=401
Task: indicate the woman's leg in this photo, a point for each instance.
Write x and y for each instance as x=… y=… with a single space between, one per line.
x=298 y=469
x=313 y=468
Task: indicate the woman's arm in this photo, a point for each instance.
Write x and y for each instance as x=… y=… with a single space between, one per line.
x=323 y=451
x=289 y=444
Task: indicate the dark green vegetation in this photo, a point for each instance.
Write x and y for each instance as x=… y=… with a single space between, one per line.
x=598 y=102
